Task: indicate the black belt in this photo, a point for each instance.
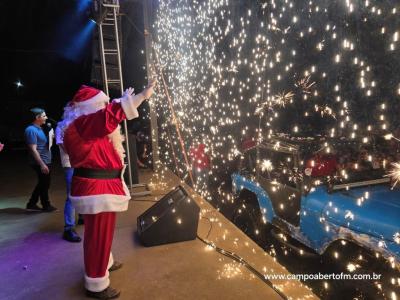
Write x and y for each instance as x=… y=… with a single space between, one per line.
x=97 y=173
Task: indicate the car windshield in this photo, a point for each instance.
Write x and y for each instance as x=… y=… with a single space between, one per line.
x=277 y=166
x=350 y=162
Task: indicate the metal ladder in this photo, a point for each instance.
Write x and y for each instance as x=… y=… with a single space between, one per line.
x=110 y=53
x=111 y=68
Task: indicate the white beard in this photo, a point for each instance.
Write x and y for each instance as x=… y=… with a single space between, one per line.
x=71 y=113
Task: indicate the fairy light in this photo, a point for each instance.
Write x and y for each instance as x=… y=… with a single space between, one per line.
x=393 y=296
x=396 y=237
x=266 y=165
x=390 y=136
x=395 y=173
x=351 y=267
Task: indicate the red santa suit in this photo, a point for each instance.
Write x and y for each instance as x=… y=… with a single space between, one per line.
x=93 y=142
x=200 y=159
x=321 y=165
x=200 y=167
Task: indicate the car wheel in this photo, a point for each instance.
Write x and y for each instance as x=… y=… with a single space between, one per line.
x=353 y=289
x=247 y=217
x=286 y=244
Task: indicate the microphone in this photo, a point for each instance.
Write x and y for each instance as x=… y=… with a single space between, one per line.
x=51 y=122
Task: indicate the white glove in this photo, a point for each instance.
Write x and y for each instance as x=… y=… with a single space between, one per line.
x=128 y=92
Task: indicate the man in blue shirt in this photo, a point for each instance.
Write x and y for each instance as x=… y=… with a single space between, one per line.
x=40 y=160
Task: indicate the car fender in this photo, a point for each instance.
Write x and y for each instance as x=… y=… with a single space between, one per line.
x=363 y=240
x=240 y=183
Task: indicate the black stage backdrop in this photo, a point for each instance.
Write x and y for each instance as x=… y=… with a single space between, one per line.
x=36 y=51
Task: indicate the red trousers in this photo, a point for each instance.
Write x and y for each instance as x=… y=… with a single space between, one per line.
x=99 y=232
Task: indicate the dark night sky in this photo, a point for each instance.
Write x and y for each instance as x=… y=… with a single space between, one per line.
x=36 y=35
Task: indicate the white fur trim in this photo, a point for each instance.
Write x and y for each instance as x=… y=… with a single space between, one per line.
x=95 y=204
x=97 y=284
x=73 y=112
x=100 y=98
x=116 y=139
x=130 y=103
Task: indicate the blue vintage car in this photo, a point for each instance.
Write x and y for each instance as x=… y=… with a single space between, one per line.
x=320 y=193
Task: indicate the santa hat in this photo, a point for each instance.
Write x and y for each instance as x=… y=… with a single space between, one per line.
x=88 y=96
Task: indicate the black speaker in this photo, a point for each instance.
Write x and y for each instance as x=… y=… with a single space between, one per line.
x=174 y=218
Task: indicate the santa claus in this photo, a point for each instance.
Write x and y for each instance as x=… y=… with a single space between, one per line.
x=93 y=142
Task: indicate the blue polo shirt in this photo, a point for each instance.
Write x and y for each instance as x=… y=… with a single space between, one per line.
x=35 y=135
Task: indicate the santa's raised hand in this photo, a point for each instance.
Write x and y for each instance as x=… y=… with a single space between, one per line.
x=129 y=92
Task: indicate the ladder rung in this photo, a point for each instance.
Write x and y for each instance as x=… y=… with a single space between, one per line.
x=113 y=81
x=111 y=5
x=110 y=51
x=137 y=185
x=139 y=194
x=98 y=66
x=108 y=24
x=108 y=38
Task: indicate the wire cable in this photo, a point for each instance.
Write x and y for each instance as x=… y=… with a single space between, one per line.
x=240 y=260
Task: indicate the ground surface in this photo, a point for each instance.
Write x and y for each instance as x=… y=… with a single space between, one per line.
x=36 y=263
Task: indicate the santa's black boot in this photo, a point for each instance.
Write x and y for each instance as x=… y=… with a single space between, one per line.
x=108 y=293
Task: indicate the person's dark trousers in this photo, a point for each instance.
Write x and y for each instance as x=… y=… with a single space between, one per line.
x=42 y=188
x=69 y=211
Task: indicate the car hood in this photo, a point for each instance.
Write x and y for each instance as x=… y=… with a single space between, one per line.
x=376 y=213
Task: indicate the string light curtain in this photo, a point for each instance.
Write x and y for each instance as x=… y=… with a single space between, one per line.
x=299 y=67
